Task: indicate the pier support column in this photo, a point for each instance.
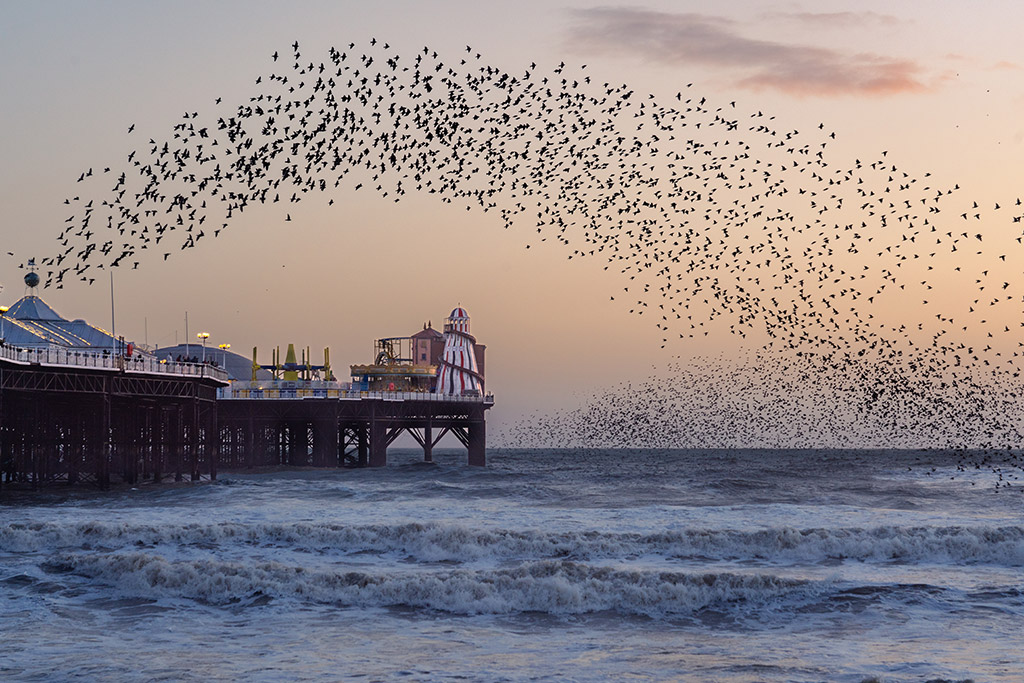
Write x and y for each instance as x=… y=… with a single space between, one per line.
x=163 y=432
x=194 y=435
x=378 y=444
x=213 y=441
x=35 y=448
x=477 y=445
x=325 y=443
x=250 y=443
x=298 y=444
x=428 y=444
x=178 y=444
x=105 y=446
x=364 y=445
x=145 y=442
x=75 y=447
x=130 y=445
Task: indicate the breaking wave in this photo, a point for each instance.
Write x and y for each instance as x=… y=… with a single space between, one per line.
x=435 y=542
x=554 y=587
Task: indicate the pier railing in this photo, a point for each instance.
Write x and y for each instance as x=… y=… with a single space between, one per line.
x=326 y=389
x=71 y=358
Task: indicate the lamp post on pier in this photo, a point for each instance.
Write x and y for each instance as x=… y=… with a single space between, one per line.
x=224 y=355
x=204 y=336
x=3 y=314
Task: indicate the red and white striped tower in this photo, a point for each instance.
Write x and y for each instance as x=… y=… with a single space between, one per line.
x=457 y=371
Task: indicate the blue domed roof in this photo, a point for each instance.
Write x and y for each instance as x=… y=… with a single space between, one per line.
x=30 y=321
x=32 y=308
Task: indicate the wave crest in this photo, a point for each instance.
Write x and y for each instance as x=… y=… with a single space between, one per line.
x=437 y=542
x=550 y=587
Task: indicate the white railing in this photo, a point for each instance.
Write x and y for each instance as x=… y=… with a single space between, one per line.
x=71 y=358
x=148 y=365
x=422 y=396
x=285 y=389
x=339 y=390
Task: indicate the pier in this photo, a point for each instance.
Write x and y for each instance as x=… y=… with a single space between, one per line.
x=81 y=407
x=338 y=427
x=85 y=417
x=72 y=417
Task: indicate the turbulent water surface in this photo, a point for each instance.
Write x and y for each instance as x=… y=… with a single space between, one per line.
x=546 y=565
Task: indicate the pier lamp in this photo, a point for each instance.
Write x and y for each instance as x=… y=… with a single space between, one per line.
x=224 y=355
x=204 y=336
x=3 y=313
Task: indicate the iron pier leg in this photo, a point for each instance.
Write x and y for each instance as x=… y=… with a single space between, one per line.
x=194 y=434
x=378 y=444
x=160 y=448
x=105 y=446
x=297 y=444
x=33 y=446
x=325 y=442
x=363 y=431
x=213 y=442
x=74 y=441
x=250 y=443
x=428 y=444
x=131 y=441
x=179 y=444
x=477 y=443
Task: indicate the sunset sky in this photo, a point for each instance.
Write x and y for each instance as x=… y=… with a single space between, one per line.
x=936 y=85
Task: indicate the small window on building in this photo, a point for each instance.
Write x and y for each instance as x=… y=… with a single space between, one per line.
x=423 y=356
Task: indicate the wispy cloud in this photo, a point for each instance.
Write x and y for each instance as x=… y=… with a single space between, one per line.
x=837 y=19
x=1005 y=66
x=709 y=41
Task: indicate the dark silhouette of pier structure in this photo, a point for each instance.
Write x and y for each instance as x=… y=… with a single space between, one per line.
x=85 y=417
x=350 y=430
x=81 y=417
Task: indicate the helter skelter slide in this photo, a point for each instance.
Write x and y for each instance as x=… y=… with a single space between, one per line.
x=457 y=373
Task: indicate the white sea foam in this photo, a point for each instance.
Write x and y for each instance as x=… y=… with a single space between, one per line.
x=432 y=542
x=553 y=587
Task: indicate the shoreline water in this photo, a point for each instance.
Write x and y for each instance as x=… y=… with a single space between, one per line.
x=657 y=565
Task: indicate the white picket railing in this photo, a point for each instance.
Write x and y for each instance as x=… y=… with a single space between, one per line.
x=298 y=390
x=71 y=358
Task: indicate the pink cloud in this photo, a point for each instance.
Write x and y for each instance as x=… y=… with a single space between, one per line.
x=837 y=19
x=701 y=40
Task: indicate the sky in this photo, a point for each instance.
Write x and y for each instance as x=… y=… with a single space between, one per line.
x=934 y=85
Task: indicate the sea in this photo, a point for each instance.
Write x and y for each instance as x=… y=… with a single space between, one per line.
x=546 y=565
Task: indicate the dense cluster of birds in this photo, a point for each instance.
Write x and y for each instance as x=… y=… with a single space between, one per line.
x=714 y=220
x=762 y=401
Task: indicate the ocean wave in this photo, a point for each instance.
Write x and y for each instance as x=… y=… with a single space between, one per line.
x=437 y=542
x=556 y=587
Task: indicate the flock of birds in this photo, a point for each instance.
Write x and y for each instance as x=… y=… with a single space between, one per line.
x=714 y=221
x=761 y=402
